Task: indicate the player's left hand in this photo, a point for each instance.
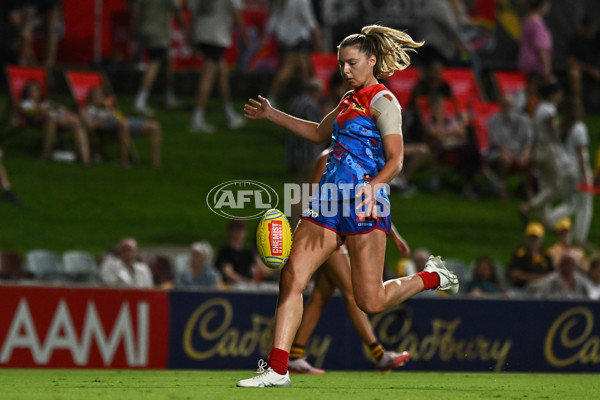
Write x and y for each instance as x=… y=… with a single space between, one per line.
x=402 y=246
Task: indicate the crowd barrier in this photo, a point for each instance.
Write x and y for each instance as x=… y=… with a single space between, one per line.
x=54 y=327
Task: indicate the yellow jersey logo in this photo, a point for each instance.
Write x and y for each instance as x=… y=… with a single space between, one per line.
x=358 y=107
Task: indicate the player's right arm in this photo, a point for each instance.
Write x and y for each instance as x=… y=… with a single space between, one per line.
x=311 y=131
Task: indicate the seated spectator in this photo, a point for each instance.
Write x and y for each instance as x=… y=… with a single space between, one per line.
x=125 y=269
x=594 y=277
x=567 y=283
x=510 y=137
x=448 y=139
x=432 y=84
x=526 y=100
x=9 y=195
x=529 y=264
x=564 y=244
x=583 y=61
x=201 y=273
x=40 y=112
x=484 y=280
x=237 y=264
x=100 y=115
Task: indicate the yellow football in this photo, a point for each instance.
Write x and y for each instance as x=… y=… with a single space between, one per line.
x=274 y=239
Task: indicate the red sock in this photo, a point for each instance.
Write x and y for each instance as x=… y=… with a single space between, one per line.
x=278 y=360
x=431 y=280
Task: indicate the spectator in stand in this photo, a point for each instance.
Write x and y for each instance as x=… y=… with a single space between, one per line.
x=546 y=152
x=567 y=283
x=125 y=269
x=594 y=277
x=99 y=114
x=238 y=264
x=9 y=195
x=11 y=22
x=211 y=33
x=201 y=273
x=484 y=281
x=432 y=84
x=438 y=27
x=24 y=22
x=530 y=263
x=526 y=100
x=583 y=59
x=40 y=112
x=535 y=51
x=293 y=24
x=510 y=138
x=300 y=153
x=50 y=20
x=152 y=30
x=576 y=173
x=447 y=137
x=564 y=244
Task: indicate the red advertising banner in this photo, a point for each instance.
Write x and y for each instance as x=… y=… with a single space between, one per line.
x=83 y=328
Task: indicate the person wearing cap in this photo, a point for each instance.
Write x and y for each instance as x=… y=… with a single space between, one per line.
x=564 y=244
x=566 y=283
x=530 y=263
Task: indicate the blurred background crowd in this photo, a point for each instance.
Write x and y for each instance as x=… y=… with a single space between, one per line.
x=494 y=106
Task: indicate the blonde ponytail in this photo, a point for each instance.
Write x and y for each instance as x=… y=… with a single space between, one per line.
x=389 y=46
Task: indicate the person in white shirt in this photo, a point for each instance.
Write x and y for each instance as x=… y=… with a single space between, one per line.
x=594 y=277
x=212 y=21
x=545 y=153
x=566 y=283
x=576 y=174
x=124 y=269
x=510 y=139
x=295 y=27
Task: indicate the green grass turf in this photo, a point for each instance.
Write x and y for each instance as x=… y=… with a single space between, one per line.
x=72 y=207
x=132 y=385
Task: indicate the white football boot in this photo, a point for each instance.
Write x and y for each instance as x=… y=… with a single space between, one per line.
x=301 y=366
x=267 y=377
x=448 y=281
x=390 y=360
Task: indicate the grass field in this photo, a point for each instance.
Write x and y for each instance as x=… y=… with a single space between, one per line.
x=132 y=385
x=68 y=206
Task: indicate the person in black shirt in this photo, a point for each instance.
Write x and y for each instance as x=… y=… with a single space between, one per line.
x=236 y=263
x=530 y=263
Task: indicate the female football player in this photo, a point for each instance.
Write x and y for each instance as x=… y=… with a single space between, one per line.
x=351 y=204
x=335 y=273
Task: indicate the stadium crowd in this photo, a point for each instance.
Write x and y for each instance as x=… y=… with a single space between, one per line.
x=536 y=141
